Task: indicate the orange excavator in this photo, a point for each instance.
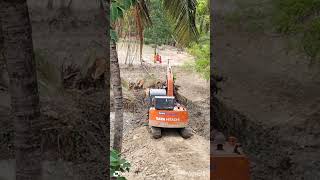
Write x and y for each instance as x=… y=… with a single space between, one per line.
x=227 y=160
x=165 y=111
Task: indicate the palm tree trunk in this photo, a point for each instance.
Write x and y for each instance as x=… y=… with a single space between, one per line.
x=101 y=5
x=105 y=11
x=70 y=4
x=118 y=101
x=50 y=4
x=4 y=79
x=62 y=4
x=18 y=52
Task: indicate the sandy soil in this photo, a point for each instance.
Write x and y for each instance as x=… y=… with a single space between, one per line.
x=166 y=52
x=131 y=121
x=170 y=157
x=192 y=85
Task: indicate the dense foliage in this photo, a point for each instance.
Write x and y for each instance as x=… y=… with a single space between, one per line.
x=203 y=16
x=161 y=31
x=200 y=49
x=117 y=11
x=201 y=52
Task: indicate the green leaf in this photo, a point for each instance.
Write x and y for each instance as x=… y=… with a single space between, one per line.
x=126 y=166
x=115 y=163
x=114 y=154
x=116 y=11
x=182 y=13
x=127 y=4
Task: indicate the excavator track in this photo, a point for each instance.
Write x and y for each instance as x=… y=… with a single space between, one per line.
x=186 y=132
x=156 y=132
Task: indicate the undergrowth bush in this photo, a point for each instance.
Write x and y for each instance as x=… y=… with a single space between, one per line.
x=118 y=165
x=201 y=52
x=161 y=30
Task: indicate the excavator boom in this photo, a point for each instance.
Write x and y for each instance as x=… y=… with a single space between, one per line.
x=170 y=85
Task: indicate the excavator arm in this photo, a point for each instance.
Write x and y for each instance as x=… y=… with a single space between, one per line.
x=170 y=85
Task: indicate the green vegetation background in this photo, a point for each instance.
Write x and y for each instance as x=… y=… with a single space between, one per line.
x=161 y=33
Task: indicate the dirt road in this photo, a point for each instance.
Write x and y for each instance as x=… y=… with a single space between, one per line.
x=170 y=157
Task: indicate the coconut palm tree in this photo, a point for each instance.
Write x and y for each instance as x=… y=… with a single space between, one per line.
x=182 y=13
x=118 y=100
x=4 y=80
x=18 y=52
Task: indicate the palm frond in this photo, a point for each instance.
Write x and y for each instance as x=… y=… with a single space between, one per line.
x=139 y=28
x=183 y=14
x=134 y=20
x=143 y=19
